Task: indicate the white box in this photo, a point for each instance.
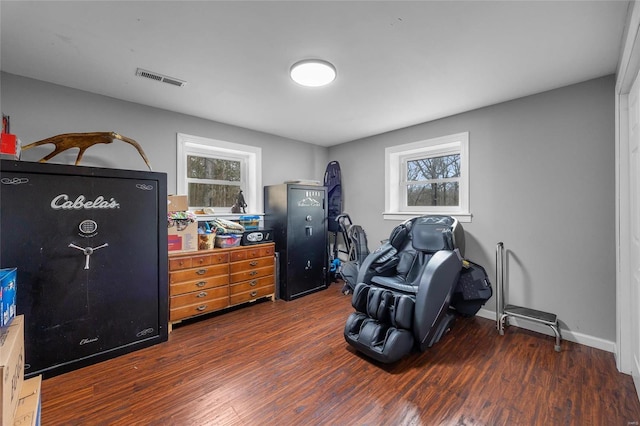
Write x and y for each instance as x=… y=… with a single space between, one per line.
x=28 y=410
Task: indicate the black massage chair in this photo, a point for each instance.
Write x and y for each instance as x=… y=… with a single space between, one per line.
x=404 y=289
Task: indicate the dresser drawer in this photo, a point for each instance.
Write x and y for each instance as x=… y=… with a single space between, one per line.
x=218 y=258
x=252 y=274
x=198 y=309
x=195 y=261
x=200 y=281
x=248 y=265
x=199 y=297
x=202 y=284
x=252 y=285
x=252 y=253
x=179 y=263
x=251 y=295
x=198 y=273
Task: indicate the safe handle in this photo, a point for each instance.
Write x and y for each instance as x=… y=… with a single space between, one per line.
x=88 y=251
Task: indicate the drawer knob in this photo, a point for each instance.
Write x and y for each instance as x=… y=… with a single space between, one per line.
x=253 y=283
x=252 y=273
x=202 y=294
x=254 y=293
x=201 y=283
x=254 y=263
x=201 y=308
x=201 y=271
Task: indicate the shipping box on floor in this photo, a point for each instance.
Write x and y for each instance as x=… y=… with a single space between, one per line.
x=28 y=410
x=11 y=368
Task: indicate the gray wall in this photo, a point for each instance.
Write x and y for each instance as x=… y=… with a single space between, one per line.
x=542 y=179
x=39 y=110
x=542 y=174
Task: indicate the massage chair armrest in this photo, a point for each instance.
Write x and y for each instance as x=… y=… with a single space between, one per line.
x=383 y=258
x=388 y=267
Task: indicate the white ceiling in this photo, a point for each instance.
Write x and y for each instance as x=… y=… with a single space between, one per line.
x=399 y=63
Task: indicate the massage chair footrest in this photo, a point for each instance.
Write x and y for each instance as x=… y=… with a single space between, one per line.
x=379 y=341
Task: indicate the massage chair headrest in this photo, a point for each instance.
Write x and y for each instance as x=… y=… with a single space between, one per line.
x=434 y=233
x=429 y=234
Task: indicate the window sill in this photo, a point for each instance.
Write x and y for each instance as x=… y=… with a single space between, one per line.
x=462 y=217
x=227 y=215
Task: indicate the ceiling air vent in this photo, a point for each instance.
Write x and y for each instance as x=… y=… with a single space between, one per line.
x=159 y=77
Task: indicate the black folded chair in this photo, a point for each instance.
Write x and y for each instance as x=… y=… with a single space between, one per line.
x=404 y=289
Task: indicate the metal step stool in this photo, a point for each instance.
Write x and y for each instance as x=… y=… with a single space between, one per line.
x=503 y=312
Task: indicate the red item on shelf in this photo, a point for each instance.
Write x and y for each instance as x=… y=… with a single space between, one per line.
x=8 y=144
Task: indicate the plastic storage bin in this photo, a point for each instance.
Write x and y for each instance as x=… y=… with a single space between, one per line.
x=228 y=240
x=250 y=222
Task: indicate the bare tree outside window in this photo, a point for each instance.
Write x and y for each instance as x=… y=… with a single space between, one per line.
x=429 y=176
x=213 y=182
x=434 y=181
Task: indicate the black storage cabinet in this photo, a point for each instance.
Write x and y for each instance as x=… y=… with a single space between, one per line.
x=90 y=245
x=298 y=216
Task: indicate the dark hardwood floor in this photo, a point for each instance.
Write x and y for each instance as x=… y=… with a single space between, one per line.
x=286 y=363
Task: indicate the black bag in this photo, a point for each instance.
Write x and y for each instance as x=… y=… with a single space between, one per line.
x=472 y=290
x=359 y=249
x=349 y=273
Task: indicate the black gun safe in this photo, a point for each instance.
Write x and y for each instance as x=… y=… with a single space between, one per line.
x=90 y=245
x=298 y=216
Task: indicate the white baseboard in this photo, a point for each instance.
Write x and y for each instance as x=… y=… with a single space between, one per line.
x=572 y=336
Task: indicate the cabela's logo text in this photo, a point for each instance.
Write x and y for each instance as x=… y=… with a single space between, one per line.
x=62 y=202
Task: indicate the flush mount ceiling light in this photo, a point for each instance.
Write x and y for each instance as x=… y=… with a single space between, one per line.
x=313 y=72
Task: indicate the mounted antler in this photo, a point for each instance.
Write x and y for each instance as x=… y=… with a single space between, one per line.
x=83 y=141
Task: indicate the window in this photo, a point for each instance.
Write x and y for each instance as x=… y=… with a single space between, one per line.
x=428 y=177
x=212 y=172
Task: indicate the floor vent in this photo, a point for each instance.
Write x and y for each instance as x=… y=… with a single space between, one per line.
x=159 y=77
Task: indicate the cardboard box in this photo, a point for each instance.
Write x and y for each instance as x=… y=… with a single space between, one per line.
x=177 y=203
x=175 y=242
x=11 y=368
x=183 y=238
x=7 y=296
x=28 y=410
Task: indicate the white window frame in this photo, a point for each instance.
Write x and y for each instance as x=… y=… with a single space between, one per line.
x=396 y=158
x=250 y=158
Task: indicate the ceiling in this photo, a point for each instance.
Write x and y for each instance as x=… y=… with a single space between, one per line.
x=399 y=63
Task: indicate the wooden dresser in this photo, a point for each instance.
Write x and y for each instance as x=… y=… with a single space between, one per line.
x=210 y=280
